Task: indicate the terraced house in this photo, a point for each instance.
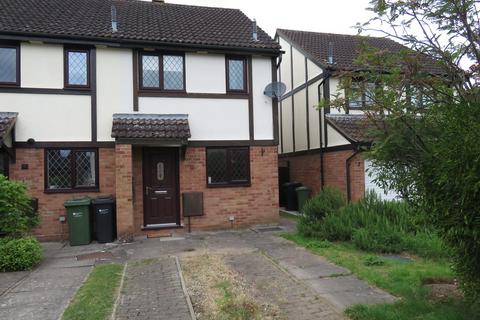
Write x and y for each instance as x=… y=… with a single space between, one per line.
x=323 y=147
x=158 y=104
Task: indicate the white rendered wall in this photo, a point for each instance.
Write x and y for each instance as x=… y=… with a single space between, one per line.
x=313 y=69
x=313 y=116
x=49 y=117
x=287 y=125
x=262 y=105
x=209 y=119
x=298 y=68
x=300 y=108
x=114 y=88
x=41 y=66
x=370 y=176
x=335 y=138
x=205 y=73
x=285 y=67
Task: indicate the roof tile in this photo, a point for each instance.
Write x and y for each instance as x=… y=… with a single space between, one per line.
x=142 y=21
x=150 y=126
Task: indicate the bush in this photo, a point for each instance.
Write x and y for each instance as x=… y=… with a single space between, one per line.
x=329 y=200
x=16 y=212
x=18 y=254
x=376 y=225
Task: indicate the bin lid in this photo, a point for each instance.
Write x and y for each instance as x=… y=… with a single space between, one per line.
x=292 y=184
x=103 y=200
x=303 y=188
x=84 y=201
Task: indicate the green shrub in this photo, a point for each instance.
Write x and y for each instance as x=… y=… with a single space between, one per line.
x=373 y=225
x=16 y=213
x=328 y=201
x=17 y=254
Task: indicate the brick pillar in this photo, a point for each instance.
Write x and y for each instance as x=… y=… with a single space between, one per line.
x=124 y=191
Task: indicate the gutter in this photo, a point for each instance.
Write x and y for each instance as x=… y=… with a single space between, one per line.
x=130 y=43
x=326 y=92
x=347 y=170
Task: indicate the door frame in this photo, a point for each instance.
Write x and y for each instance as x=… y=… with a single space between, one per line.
x=175 y=152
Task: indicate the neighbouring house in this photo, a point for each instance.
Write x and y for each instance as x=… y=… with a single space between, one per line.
x=153 y=103
x=323 y=147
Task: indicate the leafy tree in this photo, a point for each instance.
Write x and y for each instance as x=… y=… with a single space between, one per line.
x=16 y=213
x=425 y=116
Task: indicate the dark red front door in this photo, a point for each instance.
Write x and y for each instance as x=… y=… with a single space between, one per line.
x=160 y=180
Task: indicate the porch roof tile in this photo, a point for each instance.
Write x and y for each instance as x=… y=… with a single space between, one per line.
x=354 y=127
x=150 y=126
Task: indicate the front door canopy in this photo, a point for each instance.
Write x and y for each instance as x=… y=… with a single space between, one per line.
x=166 y=130
x=7 y=122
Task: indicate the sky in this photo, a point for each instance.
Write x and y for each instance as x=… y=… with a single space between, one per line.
x=334 y=16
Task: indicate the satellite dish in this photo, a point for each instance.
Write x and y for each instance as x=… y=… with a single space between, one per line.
x=275 y=89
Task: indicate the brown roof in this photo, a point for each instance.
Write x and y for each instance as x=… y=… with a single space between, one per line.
x=150 y=126
x=7 y=121
x=138 y=21
x=355 y=127
x=346 y=48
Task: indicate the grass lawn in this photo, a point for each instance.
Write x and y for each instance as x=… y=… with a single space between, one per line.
x=402 y=279
x=95 y=299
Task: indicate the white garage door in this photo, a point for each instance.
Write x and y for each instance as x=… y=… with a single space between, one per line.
x=370 y=175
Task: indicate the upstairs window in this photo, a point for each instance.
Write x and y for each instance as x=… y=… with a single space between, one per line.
x=228 y=166
x=71 y=169
x=9 y=65
x=361 y=95
x=77 y=65
x=162 y=72
x=236 y=74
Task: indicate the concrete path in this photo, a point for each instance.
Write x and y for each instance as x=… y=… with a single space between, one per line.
x=44 y=292
x=153 y=290
x=312 y=287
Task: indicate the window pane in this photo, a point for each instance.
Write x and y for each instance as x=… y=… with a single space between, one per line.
x=217 y=166
x=77 y=68
x=58 y=169
x=150 y=72
x=173 y=72
x=8 y=65
x=239 y=165
x=236 y=75
x=355 y=100
x=85 y=167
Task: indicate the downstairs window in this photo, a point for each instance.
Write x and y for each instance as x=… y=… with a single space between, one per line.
x=228 y=166
x=71 y=170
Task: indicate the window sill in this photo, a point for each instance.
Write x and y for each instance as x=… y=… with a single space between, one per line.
x=79 y=88
x=71 y=190
x=9 y=85
x=231 y=185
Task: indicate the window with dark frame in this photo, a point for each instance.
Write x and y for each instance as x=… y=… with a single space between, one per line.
x=161 y=71
x=77 y=64
x=71 y=169
x=236 y=74
x=360 y=95
x=228 y=166
x=9 y=65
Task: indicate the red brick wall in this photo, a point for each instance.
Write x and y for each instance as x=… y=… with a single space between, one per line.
x=51 y=205
x=257 y=204
x=306 y=169
x=122 y=167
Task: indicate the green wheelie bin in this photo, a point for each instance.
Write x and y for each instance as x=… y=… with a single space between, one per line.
x=79 y=224
x=303 y=194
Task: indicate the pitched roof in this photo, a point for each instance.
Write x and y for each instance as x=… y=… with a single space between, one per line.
x=7 y=121
x=138 y=21
x=150 y=126
x=355 y=127
x=346 y=48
